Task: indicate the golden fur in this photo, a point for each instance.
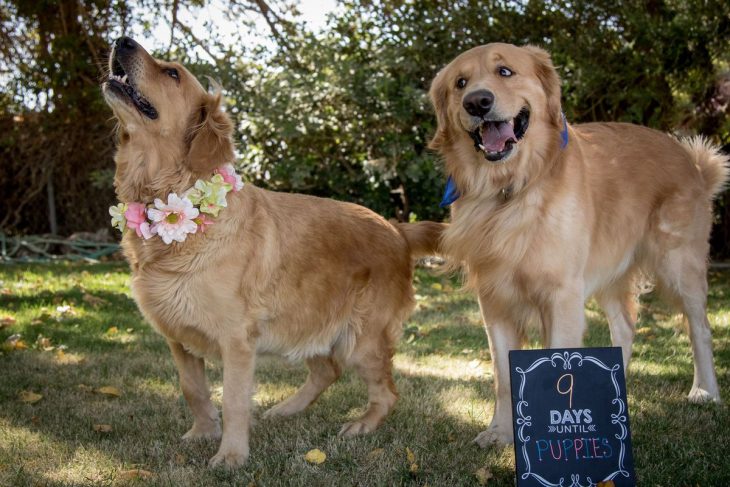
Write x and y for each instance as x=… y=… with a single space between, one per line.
x=303 y=277
x=546 y=227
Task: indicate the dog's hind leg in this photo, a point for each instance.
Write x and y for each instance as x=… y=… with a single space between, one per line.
x=373 y=362
x=323 y=372
x=682 y=277
x=619 y=304
x=194 y=385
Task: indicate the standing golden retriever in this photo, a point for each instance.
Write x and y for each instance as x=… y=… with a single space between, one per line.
x=551 y=214
x=304 y=277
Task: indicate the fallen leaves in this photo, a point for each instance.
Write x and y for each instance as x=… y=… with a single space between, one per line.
x=315 y=456
x=29 y=397
x=109 y=391
x=103 y=428
x=7 y=321
x=375 y=454
x=135 y=473
x=411 y=457
x=113 y=330
x=483 y=475
x=92 y=300
x=14 y=342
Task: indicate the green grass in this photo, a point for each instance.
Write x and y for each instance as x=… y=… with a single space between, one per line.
x=442 y=371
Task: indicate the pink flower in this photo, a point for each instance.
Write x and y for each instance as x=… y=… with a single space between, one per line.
x=229 y=176
x=203 y=222
x=173 y=220
x=136 y=216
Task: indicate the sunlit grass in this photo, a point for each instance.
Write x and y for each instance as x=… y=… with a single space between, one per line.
x=81 y=331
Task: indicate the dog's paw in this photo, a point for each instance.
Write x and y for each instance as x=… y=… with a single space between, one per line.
x=208 y=432
x=494 y=436
x=355 y=428
x=699 y=395
x=229 y=458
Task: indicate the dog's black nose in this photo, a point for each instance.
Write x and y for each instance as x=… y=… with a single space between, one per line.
x=478 y=103
x=125 y=44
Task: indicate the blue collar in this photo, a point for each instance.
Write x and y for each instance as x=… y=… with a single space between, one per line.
x=451 y=194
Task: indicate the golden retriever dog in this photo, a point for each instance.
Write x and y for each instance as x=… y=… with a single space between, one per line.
x=303 y=277
x=550 y=214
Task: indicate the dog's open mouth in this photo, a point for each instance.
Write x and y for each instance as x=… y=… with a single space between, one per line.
x=496 y=138
x=120 y=82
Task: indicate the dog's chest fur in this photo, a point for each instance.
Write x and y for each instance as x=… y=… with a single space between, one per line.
x=516 y=249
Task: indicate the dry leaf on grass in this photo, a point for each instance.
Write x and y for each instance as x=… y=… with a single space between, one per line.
x=29 y=397
x=14 y=342
x=315 y=456
x=375 y=454
x=103 y=428
x=6 y=321
x=84 y=388
x=410 y=455
x=483 y=475
x=113 y=330
x=109 y=391
x=93 y=300
x=413 y=468
x=44 y=343
x=437 y=286
x=136 y=473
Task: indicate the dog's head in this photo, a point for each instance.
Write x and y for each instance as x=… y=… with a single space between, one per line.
x=160 y=104
x=493 y=96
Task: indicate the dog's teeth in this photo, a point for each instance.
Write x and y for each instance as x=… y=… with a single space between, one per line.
x=124 y=80
x=482 y=147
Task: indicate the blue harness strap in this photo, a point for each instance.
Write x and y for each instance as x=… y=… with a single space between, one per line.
x=451 y=194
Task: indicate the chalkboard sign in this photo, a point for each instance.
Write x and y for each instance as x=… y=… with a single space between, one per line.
x=570 y=418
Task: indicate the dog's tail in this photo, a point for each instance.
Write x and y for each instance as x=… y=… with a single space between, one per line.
x=423 y=237
x=714 y=166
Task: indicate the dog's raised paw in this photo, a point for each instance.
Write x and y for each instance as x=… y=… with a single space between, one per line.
x=493 y=436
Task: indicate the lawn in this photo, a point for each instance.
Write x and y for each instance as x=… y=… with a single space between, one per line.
x=80 y=332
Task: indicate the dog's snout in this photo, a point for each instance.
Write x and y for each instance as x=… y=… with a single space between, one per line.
x=478 y=103
x=125 y=44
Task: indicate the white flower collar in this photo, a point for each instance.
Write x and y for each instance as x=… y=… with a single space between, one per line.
x=181 y=215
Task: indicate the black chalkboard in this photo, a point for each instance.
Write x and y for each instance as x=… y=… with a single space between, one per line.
x=570 y=417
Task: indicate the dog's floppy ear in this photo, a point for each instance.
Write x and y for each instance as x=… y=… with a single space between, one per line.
x=550 y=81
x=209 y=139
x=438 y=94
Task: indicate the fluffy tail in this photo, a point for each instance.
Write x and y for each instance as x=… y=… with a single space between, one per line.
x=423 y=237
x=714 y=166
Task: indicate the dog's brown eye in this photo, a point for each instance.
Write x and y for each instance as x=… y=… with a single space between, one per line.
x=505 y=72
x=172 y=73
x=461 y=83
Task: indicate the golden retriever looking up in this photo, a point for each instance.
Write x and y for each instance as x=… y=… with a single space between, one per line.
x=550 y=214
x=304 y=277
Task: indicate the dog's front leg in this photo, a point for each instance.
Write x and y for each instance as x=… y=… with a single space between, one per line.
x=564 y=318
x=194 y=385
x=503 y=337
x=238 y=356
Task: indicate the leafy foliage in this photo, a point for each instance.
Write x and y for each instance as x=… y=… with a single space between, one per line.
x=344 y=112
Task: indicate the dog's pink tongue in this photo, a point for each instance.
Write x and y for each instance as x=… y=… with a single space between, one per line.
x=496 y=134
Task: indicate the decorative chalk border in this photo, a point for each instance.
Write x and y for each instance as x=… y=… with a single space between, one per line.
x=618 y=418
